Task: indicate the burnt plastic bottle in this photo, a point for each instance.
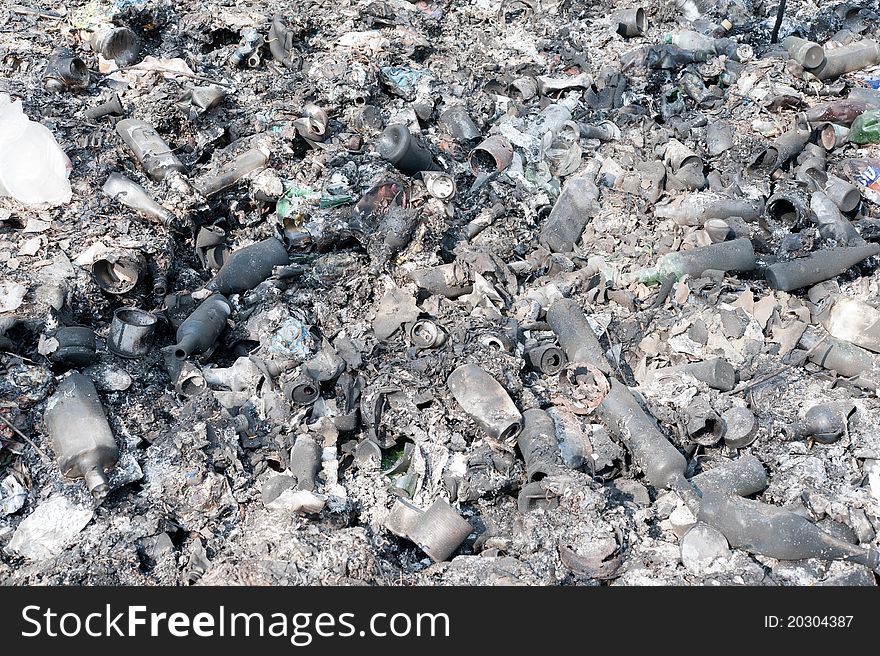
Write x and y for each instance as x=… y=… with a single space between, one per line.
x=248 y=267
x=568 y=320
x=404 y=151
x=113 y=107
x=65 y=71
x=666 y=56
x=117 y=43
x=439 y=530
x=547 y=359
x=76 y=346
x=281 y=40
x=303 y=390
x=619 y=410
x=202 y=328
x=149 y=148
x=459 y=124
x=830 y=223
x=537 y=443
x=569 y=216
x=81 y=437
x=629 y=22
x=842 y=193
x=734 y=255
x=198 y=100
x=819 y=266
x=717 y=373
x=785 y=147
x=248 y=52
x=486 y=401
x=770 y=531
x=832 y=135
x=788 y=207
x=603 y=131
x=449 y=280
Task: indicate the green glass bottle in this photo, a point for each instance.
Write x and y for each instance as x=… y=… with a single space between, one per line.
x=866 y=128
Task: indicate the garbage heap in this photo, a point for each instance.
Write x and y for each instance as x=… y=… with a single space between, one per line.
x=489 y=292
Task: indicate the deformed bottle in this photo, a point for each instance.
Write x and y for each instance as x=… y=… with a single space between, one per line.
x=843 y=358
x=830 y=223
x=201 y=329
x=81 y=437
x=843 y=194
x=619 y=410
x=117 y=43
x=449 y=280
x=629 y=22
x=717 y=373
x=770 y=531
x=823 y=423
x=404 y=151
x=785 y=147
x=696 y=209
x=113 y=107
x=569 y=216
x=547 y=358
x=666 y=56
x=537 y=443
x=281 y=44
x=806 y=53
x=744 y=476
x=305 y=462
x=439 y=530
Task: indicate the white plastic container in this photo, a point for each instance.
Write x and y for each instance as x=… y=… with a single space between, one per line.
x=33 y=168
